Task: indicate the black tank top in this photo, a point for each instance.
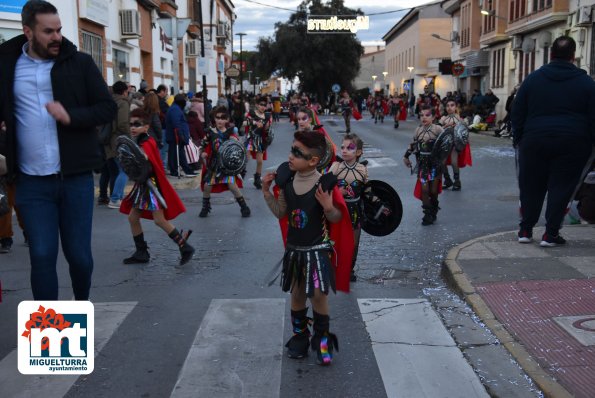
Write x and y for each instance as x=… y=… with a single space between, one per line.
x=305 y=216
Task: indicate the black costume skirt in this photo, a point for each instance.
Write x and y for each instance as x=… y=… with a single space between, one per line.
x=308 y=265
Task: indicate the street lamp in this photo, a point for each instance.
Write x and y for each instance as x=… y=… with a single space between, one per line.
x=437 y=36
x=257 y=82
x=249 y=78
x=491 y=13
x=384 y=75
x=241 y=68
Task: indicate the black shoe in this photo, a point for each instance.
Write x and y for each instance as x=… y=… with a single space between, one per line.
x=206 y=207
x=456 y=186
x=244 y=209
x=257 y=181
x=186 y=252
x=5 y=245
x=428 y=218
x=297 y=346
x=139 y=257
x=447 y=182
x=102 y=201
x=551 y=240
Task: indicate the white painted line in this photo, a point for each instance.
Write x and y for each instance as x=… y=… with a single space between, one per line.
x=416 y=355
x=381 y=162
x=108 y=317
x=237 y=351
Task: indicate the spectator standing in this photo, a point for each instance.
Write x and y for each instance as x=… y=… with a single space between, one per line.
x=554 y=136
x=151 y=108
x=177 y=136
x=163 y=108
x=53 y=147
x=120 y=127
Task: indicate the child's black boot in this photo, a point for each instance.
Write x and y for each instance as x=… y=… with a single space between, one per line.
x=435 y=209
x=206 y=207
x=257 y=181
x=244 y=209
x=297 y=346
x=323 y=342
x=457 y=184
x=186 y=250
x=428 y=218
x=447 y=181
x=141 y=255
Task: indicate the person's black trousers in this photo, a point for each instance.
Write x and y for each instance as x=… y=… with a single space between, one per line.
x=549 y=164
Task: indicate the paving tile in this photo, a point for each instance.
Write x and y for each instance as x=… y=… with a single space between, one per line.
x=516 y=250
x=584 y=265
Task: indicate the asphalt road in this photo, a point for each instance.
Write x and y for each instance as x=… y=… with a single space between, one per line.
x=145 y=353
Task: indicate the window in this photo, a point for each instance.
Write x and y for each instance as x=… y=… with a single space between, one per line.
x=92 y=46
x=526 y=64
x=120 y=61
x=498 y=67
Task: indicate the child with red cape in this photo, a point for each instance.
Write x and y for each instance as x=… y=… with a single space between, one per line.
x=318 y=241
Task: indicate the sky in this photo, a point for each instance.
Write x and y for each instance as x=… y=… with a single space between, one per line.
x=259 y=20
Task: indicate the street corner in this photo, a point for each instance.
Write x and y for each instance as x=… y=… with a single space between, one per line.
x=555 y=322
x=187 y=182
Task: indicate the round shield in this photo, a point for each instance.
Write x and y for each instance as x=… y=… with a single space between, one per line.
x=325 y=160
x=443 y=146
x=382 y=207
x=231 y=159
x=4 y=208
x=133 y=160
x=461 y=137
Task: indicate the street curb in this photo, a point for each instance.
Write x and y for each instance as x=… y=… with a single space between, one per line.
x=457 y=278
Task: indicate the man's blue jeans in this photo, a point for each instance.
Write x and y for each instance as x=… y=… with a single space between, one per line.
x=119 y=184
x=52 y=207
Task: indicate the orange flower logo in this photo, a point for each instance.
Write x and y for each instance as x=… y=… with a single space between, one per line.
x=43 y=319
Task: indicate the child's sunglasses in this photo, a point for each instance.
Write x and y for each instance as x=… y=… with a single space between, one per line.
x=297 y=152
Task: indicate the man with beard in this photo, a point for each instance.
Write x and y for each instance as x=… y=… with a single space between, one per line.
x=51 y=99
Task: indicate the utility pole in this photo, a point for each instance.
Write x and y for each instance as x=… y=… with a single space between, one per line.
x=204 y=76
x=241 y=68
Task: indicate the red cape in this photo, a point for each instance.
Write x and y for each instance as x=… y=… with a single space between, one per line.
x=417 y=189
x=217 y=188
x=175 y=207
x=464 y=157
x=341 y=234
x=403 y=114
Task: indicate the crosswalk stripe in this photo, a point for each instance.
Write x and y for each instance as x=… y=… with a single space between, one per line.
x=416 y=355
x=108 y=316
x=237 y=351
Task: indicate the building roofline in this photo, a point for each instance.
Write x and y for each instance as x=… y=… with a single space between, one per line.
x=414 y=11
x=373 y=53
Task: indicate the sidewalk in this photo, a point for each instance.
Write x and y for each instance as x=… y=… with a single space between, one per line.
x=539 y=302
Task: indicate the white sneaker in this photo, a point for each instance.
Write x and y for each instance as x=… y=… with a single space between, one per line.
x=114 y=205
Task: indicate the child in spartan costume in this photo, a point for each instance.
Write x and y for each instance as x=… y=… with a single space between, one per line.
x=213 y=179
x=456 y=159
x=153 y=199
x=429 y=170
x=307 y=119
x=351 y=179
x=258 y=125
x=318 y=242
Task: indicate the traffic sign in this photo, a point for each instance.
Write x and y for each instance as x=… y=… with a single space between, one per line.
x=458 y=69
x=336 y=88
x=232 y=71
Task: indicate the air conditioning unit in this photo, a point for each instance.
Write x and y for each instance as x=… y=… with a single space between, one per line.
x=517 y=43
x=192 y=48
x=221 y=29
x=584 y=16
x=544 y=39
x=528 y=45
x=454 y=36
x=129 y=23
